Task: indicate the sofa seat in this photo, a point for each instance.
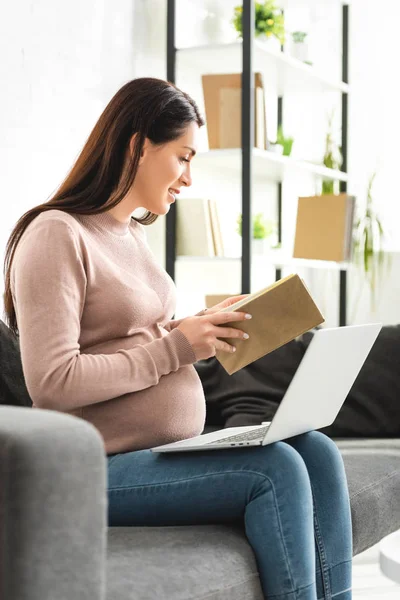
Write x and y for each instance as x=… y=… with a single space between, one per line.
x=215 y=562
x=212 y=562
x=373 y=475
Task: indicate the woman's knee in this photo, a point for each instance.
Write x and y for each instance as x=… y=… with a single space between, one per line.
x=319 y=451
x=280 y=463
x=316 y=442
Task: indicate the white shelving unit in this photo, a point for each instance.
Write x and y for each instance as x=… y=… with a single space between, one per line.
x=266 y=165
x=285 y=72
x=283 y=76
x=273 y=258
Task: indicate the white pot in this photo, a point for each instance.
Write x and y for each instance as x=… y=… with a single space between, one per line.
x=300 y=51
x=276 y=148
x=271 y=41
x=259 y=246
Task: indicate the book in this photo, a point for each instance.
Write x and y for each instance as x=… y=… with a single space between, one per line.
x=324 y=227
x=223 y=106
x=194 y=234
x=215 y=228
x=281 y=312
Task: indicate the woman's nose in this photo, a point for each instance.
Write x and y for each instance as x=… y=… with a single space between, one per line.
x=187 y=178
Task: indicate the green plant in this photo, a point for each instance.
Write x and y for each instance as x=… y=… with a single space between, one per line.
x=262 y=228
x=369 y=236
x=286 y=142
x=269 y=20
x=332 y=157
x=299 y=36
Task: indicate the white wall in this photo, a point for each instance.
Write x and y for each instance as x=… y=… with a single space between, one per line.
x=63 y=62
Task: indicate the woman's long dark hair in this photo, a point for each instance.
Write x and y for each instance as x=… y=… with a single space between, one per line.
x=151 y=108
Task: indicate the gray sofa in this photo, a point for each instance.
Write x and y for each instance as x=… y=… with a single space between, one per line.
x=55 y=543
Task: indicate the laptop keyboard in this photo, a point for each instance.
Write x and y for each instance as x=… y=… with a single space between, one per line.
x=243 y=437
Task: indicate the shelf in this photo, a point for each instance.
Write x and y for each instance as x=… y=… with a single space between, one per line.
x=266 y=165
x=273 y=259
x=279 y=68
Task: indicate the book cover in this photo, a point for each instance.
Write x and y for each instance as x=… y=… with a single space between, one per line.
x=323 y=227
x=194 y=236
x=216 y=228
x=281 y=312
x=223 y=100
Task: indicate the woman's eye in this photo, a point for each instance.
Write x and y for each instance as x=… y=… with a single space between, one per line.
x=184 y=159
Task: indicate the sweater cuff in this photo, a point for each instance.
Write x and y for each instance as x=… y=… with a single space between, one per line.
x=184 y=349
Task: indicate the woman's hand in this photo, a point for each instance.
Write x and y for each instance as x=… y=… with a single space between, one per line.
x=225 y=303
x=203 y=333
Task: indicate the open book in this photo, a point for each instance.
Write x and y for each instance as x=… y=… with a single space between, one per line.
x=281 y=312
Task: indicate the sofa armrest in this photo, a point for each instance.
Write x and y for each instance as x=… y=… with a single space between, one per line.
x=53 y=506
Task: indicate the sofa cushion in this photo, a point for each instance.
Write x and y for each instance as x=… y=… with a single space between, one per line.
x=212 y=562
x=12 y=383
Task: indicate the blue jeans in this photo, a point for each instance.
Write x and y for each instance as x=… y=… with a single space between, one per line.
x=292 y=497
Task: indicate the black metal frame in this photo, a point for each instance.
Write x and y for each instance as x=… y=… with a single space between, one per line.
x=170 y=235
x=343 y=184
x=248 y=144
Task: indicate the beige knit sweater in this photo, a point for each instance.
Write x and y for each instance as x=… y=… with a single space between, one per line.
x=94 y=314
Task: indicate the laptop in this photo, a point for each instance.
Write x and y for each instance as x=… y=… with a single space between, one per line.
x=313 y=399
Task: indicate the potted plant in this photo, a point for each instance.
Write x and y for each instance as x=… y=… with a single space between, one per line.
x=286 y=142
x=300 y=46
x=269 y=21
x=369 y=236
x=263 y=232
x=332 y=157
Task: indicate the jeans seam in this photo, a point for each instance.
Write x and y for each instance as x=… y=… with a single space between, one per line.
x=129 y=487
x=300 y=589
x=344 y=562
x=321 y=553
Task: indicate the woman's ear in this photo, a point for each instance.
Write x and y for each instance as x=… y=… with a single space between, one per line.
x=144 y=149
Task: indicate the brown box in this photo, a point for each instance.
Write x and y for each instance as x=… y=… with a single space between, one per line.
x=281 y=312
x=324 y=227
x=223 y=104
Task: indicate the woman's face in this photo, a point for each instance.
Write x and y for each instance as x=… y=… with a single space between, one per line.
x=163 y=170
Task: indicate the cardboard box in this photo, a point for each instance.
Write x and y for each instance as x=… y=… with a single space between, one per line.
x=223 y=104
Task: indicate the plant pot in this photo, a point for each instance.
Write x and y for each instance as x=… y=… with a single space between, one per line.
x=259 y=246
x=276 y=148
x=271 y=41
x=300 y=51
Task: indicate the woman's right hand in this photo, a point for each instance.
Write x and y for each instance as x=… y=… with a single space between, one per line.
x=203 y=332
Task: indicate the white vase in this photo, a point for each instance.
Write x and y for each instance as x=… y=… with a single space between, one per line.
x=300 y=51
x=259 y=246
x=216 y=22
x=270 y=41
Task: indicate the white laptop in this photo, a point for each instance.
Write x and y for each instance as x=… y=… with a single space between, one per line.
x=313 y=399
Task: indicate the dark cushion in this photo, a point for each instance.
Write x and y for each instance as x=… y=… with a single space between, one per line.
x=12 y=383
x=253 y=394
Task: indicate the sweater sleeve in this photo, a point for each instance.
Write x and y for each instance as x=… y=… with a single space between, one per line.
x=49 y=287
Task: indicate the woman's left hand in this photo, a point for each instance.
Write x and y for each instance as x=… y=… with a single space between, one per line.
x=226 y=303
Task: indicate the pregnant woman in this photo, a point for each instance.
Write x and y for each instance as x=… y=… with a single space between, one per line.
x=93 y=310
